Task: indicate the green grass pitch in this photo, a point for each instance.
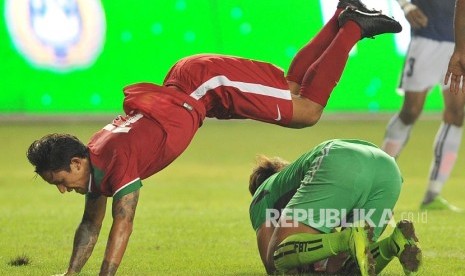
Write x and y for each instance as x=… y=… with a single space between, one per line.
x=192 y=218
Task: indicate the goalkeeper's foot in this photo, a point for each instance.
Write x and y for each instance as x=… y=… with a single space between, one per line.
x=407 y=246
x=358 y=248
x=438 y=204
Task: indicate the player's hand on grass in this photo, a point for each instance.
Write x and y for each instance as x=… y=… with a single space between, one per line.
x=456 y=72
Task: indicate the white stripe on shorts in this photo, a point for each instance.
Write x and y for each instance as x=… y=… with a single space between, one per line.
x=245 y=87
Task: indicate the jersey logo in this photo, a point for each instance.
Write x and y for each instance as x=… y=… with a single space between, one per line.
x=122 y=124
x=279 y=114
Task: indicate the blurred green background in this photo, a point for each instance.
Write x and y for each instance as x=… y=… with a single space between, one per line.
x=140 y=40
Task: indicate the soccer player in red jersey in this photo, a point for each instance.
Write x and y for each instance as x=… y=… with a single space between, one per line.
x=160 y=122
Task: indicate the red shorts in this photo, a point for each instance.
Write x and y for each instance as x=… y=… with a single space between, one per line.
x=233 y=88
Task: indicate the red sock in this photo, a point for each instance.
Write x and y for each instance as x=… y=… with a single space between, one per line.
x=313 y=50
x=323 y=75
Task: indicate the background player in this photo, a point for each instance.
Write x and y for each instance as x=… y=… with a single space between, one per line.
x=160 y=122
x=431 y=46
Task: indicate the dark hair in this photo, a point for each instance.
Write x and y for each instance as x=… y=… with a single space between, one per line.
x=265 y=168
x=54 y=152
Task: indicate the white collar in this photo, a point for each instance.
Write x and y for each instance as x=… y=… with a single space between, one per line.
x=90 y=182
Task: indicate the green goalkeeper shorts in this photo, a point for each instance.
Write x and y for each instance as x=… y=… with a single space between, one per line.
x=346 y=183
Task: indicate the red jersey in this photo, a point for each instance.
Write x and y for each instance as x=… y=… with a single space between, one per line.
x=156 y=131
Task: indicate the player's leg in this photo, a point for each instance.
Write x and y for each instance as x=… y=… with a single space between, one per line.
x=384 y=193
x=446 y=146
x=304 y=245
x=306 y=56
x=399 y=127
x=384 y=187
x=311 y=52
x=382 y=180
x=383 y=197
x=418 y=76
x=322 y=76
x=402 y=244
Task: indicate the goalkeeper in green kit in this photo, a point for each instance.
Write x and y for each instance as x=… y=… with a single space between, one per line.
x=298 y=208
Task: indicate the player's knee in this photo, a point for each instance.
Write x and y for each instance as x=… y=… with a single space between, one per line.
x=454 y=116
x=410 y=116
x=306 y=113
x=309 y=122
x=310 y=119
x=303 y=123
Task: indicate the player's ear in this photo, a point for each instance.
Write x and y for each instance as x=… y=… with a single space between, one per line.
x=76 y=163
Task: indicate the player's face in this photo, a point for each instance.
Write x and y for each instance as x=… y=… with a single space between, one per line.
x=77 y=179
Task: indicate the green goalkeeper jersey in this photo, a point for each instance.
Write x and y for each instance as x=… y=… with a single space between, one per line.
x=277 y=190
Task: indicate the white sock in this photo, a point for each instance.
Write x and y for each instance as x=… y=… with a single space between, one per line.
x=396 y=136
x=446 y=147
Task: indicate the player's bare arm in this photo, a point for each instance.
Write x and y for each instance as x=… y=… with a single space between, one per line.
x=456 y=69
x=264 y=234
x=124 y=210
x=459 y=25
x=87 y=233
